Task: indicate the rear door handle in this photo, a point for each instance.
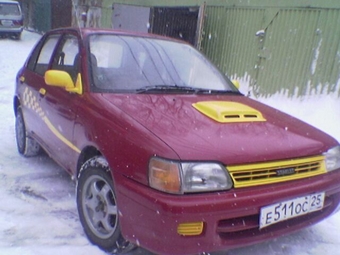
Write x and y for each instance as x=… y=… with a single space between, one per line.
x=42 y=92
x=22 y=79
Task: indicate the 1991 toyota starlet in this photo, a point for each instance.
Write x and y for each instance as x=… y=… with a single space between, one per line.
x=166 y=152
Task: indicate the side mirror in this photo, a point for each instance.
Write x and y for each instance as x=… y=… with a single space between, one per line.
x=236 y=83
x=63 y=79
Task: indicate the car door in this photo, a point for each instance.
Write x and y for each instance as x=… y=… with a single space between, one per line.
x=32 y=85
x=60 y=106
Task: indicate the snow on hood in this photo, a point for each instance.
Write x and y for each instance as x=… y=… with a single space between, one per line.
x=196 y=136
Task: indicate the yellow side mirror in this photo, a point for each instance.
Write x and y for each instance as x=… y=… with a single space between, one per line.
x=63 y=79
x=236 y=83
x=78 y=88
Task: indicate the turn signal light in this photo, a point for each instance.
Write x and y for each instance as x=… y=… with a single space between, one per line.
x=190 y=229
x=164 y=175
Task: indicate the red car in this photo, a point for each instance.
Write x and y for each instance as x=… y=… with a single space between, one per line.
x=166 y=152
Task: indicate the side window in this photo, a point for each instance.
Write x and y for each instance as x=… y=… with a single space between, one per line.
x=33 y=58
x=67 y=56
x=44 y=57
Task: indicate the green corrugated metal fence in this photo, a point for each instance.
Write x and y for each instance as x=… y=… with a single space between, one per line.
x=41 y=15
x=299 y=53
x=229 y=38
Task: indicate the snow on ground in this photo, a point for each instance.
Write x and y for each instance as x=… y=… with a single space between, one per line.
x=38 y=213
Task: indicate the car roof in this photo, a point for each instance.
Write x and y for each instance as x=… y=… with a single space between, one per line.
x=89 y=31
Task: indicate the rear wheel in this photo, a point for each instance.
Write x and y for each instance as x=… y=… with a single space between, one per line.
x=17 y=36
x=26 y=145
x=97 y=207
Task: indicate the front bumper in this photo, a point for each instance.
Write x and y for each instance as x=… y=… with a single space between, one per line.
x=231 y=219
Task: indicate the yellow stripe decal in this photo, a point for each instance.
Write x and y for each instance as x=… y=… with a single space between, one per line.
x=59 y=135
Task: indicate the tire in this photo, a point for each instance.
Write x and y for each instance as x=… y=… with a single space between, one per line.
x=26 y=145
x=97 y=207
x=17 y=36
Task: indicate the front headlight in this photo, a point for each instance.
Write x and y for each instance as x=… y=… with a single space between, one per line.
x=332 y=158
x=176 y=177
x=202 y=177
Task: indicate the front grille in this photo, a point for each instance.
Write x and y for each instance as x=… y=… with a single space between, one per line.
x=278 y=171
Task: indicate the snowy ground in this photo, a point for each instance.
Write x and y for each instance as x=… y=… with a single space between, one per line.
x=38 y=214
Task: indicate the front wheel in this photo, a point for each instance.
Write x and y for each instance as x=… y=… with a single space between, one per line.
x=97 y=207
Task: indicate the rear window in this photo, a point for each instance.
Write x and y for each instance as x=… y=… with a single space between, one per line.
x=9 y=9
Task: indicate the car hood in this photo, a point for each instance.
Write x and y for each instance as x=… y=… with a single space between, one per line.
x=226 y=128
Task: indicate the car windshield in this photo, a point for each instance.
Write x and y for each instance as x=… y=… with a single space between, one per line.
x=9 y=9
x=127 y=63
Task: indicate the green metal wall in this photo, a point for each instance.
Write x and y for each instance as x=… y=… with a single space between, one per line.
x=288 y=52
x=299 y=54
x=234 y=3
x=327 y=47
x=229 y=38
x=106 y=13
x=41 y=16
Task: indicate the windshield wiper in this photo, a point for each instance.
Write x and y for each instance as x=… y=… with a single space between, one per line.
x=184 y=89
x=216 y=91
x=172 y=88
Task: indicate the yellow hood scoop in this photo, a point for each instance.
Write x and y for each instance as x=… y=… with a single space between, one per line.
x=228 y=112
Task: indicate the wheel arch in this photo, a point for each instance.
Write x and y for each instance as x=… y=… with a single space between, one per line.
x=86 y=154
x=16 y=104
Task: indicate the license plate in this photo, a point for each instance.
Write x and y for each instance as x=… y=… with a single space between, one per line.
x=275 y=213
x=7 y=23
